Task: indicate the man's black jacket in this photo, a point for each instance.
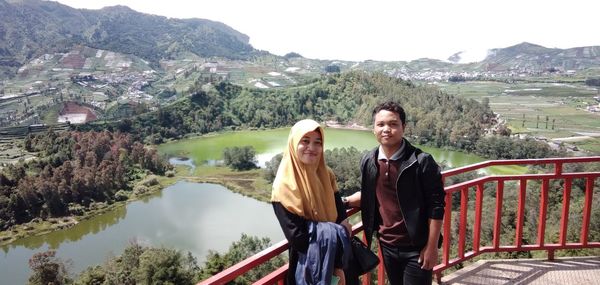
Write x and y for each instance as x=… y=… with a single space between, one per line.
x=420 y=193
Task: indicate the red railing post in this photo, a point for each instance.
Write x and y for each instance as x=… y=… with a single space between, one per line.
x=543 y=210
x=587 y=210
x=464 y=200
x=498 y=217
x=564 y=220
x=447 y=229
x=558 y=168
x=477 y=225
x=366 y=279
x=520 y=213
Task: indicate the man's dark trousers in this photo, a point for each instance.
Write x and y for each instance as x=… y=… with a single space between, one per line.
x=402 y=266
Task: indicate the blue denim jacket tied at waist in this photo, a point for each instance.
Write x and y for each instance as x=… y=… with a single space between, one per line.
x=317 y=265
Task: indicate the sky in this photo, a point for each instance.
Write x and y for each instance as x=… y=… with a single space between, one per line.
x=392 y=30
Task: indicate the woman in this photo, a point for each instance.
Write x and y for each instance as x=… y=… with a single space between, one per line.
x=309 y=208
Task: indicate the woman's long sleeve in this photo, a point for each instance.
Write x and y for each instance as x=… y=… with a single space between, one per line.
x=341 y=209
x=294 y=227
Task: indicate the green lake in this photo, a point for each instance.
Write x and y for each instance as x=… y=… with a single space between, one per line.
x=268 y=143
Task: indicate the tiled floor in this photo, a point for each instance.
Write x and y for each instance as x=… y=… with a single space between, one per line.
x=563 y=271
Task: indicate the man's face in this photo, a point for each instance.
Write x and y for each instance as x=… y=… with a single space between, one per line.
x=388 y=129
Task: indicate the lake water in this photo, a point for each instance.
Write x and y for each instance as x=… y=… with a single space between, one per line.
x=183 y=161
x=194 y=217
x=268 y=143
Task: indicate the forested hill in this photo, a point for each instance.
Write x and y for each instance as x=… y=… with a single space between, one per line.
x=77 y=172
x=30 y=28
x=433 y=116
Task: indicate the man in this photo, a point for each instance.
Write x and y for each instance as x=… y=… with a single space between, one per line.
x=401 y=199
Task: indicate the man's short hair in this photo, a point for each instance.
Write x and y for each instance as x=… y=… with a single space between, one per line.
x=392 y=107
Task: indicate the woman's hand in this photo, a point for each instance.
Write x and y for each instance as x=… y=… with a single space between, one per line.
x=340 y=273
x=348 y=227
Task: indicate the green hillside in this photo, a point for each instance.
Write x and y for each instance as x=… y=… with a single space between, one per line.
x=31 y=28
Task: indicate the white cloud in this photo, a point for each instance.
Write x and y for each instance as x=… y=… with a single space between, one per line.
x=473 y=55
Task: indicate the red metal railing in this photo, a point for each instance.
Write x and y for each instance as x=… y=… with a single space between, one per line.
x=500 y=181
x=462 y=253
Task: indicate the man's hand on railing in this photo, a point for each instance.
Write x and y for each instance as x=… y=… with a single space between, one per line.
x=353 y=200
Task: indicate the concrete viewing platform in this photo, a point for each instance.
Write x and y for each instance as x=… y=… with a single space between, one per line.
x=563 y=271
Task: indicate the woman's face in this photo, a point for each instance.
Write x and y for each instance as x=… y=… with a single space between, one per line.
x=310 y=148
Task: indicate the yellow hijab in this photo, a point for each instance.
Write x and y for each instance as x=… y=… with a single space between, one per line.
x=300 y=190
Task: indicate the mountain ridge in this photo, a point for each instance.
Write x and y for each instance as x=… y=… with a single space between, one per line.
x=537 y=57
x=31 y=28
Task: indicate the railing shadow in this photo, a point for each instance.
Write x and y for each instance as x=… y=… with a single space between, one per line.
x=528 y=271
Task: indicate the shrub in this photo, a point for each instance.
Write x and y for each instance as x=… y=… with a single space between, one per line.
x=140 y=189
x=121 y=195
x=240 y=158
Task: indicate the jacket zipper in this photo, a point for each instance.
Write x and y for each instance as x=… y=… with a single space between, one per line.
x=398 y=199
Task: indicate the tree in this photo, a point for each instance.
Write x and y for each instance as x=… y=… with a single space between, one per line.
x=332 y=69
x=122 y=270
x=345 y=164
x=456 y=78
x=95 y=275
x=271 y=167
x=47 y=269
x=240 y=158
x=291 y=55
x=238 y=251
x=592 y=81
x=165 y=266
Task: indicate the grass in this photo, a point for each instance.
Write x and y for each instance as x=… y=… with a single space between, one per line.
x=562 y=120
x=592 y=145
x=51 y=115
x=525 y=107
x=249 y=183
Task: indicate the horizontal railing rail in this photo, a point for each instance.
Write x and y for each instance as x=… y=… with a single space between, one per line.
x=461 y=252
